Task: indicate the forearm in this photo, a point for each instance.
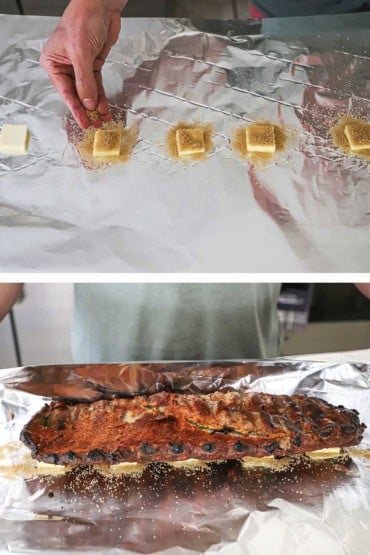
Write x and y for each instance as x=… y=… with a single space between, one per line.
x=364 y=288
x=115 y=5
x=75 y=53
x=9 y=293
x=109 y=5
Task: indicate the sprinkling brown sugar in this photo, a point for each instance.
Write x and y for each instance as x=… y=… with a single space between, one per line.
x=93 y=115
x=85 y=146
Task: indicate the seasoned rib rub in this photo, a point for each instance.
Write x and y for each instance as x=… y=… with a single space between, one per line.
x=174 y=427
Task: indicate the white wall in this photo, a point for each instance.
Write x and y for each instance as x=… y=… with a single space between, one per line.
x=43 y=321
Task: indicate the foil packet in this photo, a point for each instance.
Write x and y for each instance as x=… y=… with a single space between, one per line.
x=306 y=210
x=226 y=507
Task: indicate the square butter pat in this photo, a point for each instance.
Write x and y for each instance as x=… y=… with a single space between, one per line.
x=358 y=136
x=261 y=138
x=190 y=141
x=107 y=143
x=14 y=139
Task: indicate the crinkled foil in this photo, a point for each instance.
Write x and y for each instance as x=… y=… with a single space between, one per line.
x=323 y=508
x=308 y=210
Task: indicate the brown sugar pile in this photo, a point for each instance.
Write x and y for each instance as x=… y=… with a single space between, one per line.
x=239 y=144
x=340 y=140
x=171 y=141
x=85 y=145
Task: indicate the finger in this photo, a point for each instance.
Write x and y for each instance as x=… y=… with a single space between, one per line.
x=114 y=29
x=97 y=123
x=113 y=34
x=64 y=84
x=103 y=107
x=86 y=86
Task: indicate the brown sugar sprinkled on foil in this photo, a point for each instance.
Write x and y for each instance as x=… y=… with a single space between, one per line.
x=172 y=144
x=340 y=140
x=86 y=487
x=83 y=140
x=85 y=146
x=239 y=144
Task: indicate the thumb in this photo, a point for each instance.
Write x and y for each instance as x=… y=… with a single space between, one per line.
x=86 y=85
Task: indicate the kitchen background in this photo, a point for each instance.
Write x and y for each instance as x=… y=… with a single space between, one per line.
x=140 y=8
x=315 y=318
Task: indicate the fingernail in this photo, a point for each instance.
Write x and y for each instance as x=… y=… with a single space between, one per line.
x=89 y=103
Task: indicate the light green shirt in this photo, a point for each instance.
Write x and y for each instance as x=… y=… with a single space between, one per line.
x=131 y=322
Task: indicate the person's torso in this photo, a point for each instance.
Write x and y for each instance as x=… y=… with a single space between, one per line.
x=128 y=322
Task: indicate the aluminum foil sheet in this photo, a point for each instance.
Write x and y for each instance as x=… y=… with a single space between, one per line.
x=323 y=508
x=308 y=210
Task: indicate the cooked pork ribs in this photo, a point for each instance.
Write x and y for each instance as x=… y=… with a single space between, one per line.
x=174 y=427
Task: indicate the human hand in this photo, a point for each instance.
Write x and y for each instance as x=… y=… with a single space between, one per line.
x=9 y=294
x=364 y=288
x=75 y=54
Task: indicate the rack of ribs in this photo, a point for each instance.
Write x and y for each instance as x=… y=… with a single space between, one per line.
x=174 y=427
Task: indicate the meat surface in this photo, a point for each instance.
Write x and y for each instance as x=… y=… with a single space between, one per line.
x=175 y=427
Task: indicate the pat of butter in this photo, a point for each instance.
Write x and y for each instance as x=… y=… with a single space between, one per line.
x=322 y=454
x=122 y=468
x=266 y=462
x=188 y=463
x=14 y=139
x=261 y=138
x=358 y=136
x=107 y=143
x=190 y=141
